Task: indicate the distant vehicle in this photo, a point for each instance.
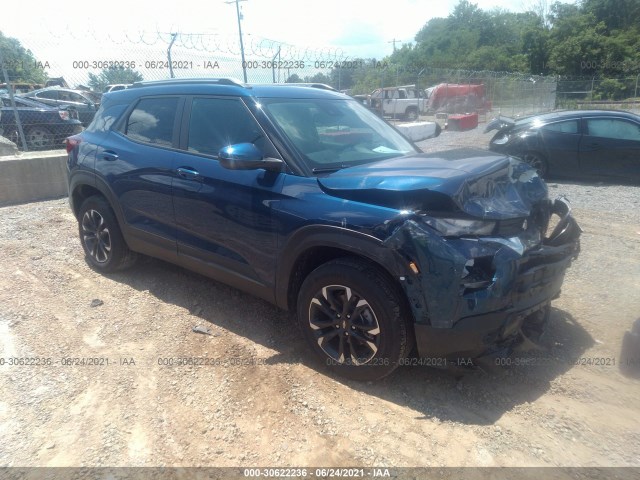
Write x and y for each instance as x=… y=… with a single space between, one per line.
x=405 y=101
x=60 y=97
x=581 y=143
x=44 y=126
x=19 y=87
x=115 y=87
x=93 y=96
x=457 y=98
x=56 y=81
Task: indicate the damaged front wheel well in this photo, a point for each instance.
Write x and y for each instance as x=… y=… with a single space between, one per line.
x=314 y=257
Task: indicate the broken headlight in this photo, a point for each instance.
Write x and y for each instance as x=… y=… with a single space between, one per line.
x=459 y=227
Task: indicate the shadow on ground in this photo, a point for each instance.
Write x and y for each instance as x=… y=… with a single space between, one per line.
x=477 y=398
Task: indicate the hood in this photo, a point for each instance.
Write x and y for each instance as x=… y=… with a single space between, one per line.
x=477 y=183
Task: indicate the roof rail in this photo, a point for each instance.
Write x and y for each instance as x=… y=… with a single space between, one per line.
x=191 y=81
x=322 y=86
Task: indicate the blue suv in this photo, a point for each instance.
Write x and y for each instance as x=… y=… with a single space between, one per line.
x=301 y=196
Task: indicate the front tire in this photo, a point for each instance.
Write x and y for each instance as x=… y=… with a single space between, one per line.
x=354 y=319
x=411 y=114
x=101 y=237
x=537 y=161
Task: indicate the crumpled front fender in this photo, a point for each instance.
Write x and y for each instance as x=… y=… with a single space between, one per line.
x=473 y=276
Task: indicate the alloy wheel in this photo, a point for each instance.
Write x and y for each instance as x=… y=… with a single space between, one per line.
x=96 y=236
x=345 y=325
x=39 y=137
x=535 y=161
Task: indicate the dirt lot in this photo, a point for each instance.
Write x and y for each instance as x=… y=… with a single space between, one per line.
x=570 y=407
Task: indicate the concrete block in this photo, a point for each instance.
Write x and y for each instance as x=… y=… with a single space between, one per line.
x=417 y=131
x=33 y=176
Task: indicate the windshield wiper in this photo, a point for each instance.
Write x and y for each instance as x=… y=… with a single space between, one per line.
x=335 y=168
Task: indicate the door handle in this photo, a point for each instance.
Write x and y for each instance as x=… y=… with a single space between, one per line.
x=594 y=146
x=109 y=155
x=189 y=173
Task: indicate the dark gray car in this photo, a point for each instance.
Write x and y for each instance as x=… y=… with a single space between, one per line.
x=579 y=143
x=62 y=97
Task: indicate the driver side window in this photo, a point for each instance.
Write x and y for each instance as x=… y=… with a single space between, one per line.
x=219 y=122
x=613 y=128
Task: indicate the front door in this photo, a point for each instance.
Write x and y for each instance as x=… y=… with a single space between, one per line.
x=224 y=217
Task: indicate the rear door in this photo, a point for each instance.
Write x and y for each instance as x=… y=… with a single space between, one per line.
x=136 y=161
x=224 y=217
x=611 y=147
x=561 y=141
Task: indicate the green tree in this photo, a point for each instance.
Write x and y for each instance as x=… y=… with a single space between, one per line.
x=616 y=14
x=318 y=78
x=577 y=43
x=611 y=89
x=113 y=75
x=20 y=64
x=293 y=78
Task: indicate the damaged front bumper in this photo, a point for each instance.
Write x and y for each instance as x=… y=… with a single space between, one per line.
x=475 y=297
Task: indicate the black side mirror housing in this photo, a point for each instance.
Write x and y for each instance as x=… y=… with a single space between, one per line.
x=246 y=156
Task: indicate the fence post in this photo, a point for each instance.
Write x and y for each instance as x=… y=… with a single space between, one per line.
x=173 y=39
x=13 y=104
x=273 y=65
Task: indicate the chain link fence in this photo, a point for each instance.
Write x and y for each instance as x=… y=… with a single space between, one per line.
x=69 y=72
x=56 y=92
x=599 y=93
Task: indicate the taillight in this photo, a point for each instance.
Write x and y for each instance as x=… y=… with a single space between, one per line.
x=64 y=114
x=71 y=142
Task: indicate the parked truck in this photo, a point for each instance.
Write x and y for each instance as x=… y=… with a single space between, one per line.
x=405 y=101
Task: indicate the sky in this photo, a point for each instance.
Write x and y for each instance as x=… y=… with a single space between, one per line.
x=64 y=31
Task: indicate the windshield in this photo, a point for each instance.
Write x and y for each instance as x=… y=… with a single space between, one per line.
x=331 y=134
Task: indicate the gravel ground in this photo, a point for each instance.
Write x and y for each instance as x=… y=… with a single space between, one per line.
x=569 y=406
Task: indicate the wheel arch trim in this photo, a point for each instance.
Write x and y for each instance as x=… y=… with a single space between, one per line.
x=82 y=179
x=332 y=237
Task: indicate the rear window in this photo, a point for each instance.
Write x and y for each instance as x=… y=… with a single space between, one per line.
x=105 y=118
x=568 y=126
x=152 y=121
x=51 y=94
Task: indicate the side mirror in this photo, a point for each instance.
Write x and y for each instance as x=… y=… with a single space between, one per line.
x=246 y=156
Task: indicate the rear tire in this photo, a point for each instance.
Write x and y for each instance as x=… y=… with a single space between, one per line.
x=101 y=237
x=354 y=319
x=39 y=137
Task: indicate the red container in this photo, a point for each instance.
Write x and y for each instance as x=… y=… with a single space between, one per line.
x=463 y=122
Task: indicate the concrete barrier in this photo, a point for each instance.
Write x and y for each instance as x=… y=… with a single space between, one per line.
x=33 y=176
x=417 y=131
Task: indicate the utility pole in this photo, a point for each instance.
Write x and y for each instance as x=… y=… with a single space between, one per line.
x=394 y=43
x=244 y=65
